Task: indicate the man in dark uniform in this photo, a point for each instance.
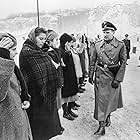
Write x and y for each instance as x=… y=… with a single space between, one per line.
x=107 y=63
x=127 y=44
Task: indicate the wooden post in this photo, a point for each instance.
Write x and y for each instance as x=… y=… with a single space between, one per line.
x=38 y=13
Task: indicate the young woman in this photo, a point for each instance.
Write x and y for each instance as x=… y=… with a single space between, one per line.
x=52 y=48
x=70 y=88
x=42 y=79
x=14 y=98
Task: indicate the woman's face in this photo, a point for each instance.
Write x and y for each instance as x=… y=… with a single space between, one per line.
x=55 y=43
x=40 y=39
x=13 y=52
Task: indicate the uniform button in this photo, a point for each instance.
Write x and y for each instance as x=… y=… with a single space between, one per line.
x=100 y=57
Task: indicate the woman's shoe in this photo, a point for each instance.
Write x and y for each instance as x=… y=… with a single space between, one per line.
x=62 y=128
x=74 y=108
x=73 y=114
x=77 y=105
x=61 y=132
x=68 y=116
x=101 y=129
x=108 y=121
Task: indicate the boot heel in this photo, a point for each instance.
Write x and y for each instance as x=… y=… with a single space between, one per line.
x=101 y=129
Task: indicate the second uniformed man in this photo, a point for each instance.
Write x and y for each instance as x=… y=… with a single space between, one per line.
x=107 y=66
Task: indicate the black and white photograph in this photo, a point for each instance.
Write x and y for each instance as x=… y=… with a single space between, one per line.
x=70 y=70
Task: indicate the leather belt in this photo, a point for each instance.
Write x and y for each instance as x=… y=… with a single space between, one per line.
x=106 y=66
x=101 y=65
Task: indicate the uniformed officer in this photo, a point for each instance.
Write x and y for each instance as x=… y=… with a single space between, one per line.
x=127 y=44
x=107 y=65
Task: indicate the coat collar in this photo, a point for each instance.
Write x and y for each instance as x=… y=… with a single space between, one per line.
x=114 y=42
x=31 y=44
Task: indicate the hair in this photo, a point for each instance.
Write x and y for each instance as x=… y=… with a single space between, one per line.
x=126 y=35
x=39 y=30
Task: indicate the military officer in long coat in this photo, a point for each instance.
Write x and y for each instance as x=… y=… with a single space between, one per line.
x=127 y=44
x=108 y=62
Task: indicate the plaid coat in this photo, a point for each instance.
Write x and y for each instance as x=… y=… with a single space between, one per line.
x=42 y=81
x=38 y=70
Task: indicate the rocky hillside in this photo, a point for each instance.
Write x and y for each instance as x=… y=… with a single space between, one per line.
x=125 y=16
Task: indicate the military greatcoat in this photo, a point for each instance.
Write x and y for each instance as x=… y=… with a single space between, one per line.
x=105 y=59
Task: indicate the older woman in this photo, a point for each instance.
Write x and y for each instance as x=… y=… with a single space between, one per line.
x=42 y=79
x=14 y=98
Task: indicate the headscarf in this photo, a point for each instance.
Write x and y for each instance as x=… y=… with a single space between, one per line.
x=51 y=34
x=63 y=39
x=31 y=36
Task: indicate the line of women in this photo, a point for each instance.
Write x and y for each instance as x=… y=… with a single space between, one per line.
x=52 y=71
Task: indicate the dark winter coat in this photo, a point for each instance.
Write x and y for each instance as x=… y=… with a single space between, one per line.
x=55 y=54
x=42 y=80
x=70 y=87
x=127 y=44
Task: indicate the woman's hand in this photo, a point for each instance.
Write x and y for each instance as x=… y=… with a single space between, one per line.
x=6 y=43
x=25 y=104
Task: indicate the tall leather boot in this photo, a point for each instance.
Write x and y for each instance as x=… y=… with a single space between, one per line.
x=108 y=121
x=101 y=129
x=66 y=113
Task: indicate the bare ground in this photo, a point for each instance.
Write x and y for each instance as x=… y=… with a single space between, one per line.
x=125 y=122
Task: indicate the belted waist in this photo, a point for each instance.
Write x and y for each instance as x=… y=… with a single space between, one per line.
x=113 y=68
x=108 y=66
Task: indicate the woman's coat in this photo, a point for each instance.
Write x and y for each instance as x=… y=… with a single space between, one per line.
x=14 y=124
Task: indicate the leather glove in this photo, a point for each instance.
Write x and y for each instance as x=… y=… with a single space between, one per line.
x=115 y=84
x=90 y=80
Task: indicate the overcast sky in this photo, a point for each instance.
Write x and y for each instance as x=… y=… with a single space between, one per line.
x=17 y=6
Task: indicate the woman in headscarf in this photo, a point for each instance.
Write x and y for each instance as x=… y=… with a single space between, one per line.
x=70 y=88
x=14 y=97
x=42 y=81
x=52 y=48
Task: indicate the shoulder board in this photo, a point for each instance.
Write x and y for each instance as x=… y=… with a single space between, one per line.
x=120 y=41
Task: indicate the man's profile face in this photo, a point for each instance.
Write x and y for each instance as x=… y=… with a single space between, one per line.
x=108 y=34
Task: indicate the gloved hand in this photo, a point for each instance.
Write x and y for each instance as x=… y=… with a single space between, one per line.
x=115 y=84
x=90 y=80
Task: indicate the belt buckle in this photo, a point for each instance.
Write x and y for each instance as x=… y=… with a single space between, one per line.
x=105 y=66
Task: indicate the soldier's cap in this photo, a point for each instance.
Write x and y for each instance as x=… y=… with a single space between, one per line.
x=106 y=25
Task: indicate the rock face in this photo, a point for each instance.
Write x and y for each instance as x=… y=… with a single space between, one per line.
x=125 y=16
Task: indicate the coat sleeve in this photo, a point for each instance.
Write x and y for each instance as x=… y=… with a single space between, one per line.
x=93 y=59
x=6 y=71
x=123 y=58
x=24 y=89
